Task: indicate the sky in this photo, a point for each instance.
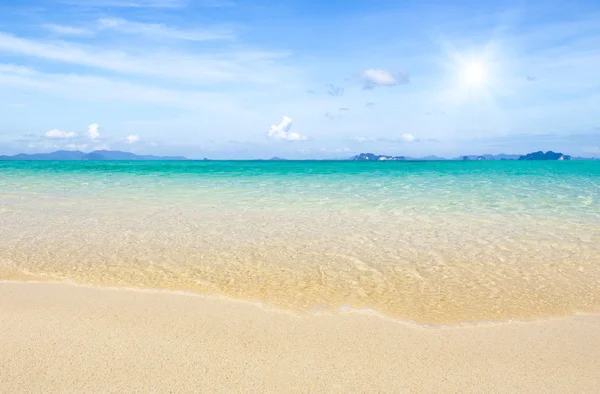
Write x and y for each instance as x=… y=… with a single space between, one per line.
x=233 y=79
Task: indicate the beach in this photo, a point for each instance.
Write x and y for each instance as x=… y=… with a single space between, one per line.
x=63 y=338
x=237 y=196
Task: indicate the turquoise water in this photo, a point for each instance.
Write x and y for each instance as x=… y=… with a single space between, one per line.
x=423 y=241
x=570 y=189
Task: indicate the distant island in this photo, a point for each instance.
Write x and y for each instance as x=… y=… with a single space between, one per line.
x=501 y=156
x=545 y=156
x=374 y=157
x=549 y=155
x=95 y=155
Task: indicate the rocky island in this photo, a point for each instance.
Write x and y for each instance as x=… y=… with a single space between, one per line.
x=539 y=155
x=373 y=157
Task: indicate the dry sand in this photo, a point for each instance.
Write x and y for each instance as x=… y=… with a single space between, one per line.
x=61 y=338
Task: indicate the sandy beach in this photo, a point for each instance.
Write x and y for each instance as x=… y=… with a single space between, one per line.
x=63 y=338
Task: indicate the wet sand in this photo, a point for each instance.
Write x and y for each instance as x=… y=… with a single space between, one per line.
x=62 y=338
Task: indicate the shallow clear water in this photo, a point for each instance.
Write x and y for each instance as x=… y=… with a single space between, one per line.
x=432 y=242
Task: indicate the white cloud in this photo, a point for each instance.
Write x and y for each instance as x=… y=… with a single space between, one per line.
x=76 y=146
x=370 y=78
x=67 y=30
x=132 y=139
x=407 y=137
x=282 y=131
x=93 y=131
x=59 y=134
x=160 y=31
x=102 y=147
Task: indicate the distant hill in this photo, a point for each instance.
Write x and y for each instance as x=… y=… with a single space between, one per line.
x=545 y=156
x=58 y=155
x=428 y=158
x=373 y=157
x=95 y=155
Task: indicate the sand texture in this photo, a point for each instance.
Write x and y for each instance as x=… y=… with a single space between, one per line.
x=62 y=338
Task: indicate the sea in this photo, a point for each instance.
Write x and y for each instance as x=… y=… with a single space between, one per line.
x=426 y=242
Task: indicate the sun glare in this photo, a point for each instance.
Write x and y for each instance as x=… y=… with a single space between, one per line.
x=474 y=74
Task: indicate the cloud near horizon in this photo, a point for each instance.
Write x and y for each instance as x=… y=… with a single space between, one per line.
x=282 y=131
x=93 y=131
x=407 y=137
x=59 y=134
x=132 y=139
x=404 y=138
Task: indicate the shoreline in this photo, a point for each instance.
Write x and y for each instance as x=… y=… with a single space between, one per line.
x=343 y=310
x=66 y=337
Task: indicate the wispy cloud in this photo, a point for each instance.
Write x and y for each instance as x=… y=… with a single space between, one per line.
x=64 y=30
x=402 y=138
x=340 y=112
x=128 y=3
x=282 y=131
x=407 y=137
x=330 y=89
x=335 y=90
x=159 y=31
x=16 y=69
x=73 y=86
x=364 y=139
x=235 y=66
x=132 y=139
x=371 y=78
x=368 y=79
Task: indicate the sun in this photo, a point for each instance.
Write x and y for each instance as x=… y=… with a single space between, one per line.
x=474 y=73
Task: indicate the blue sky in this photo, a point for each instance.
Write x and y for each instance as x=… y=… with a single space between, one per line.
x=299 y=79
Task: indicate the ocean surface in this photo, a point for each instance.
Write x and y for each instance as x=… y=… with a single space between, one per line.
x=427 y=242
